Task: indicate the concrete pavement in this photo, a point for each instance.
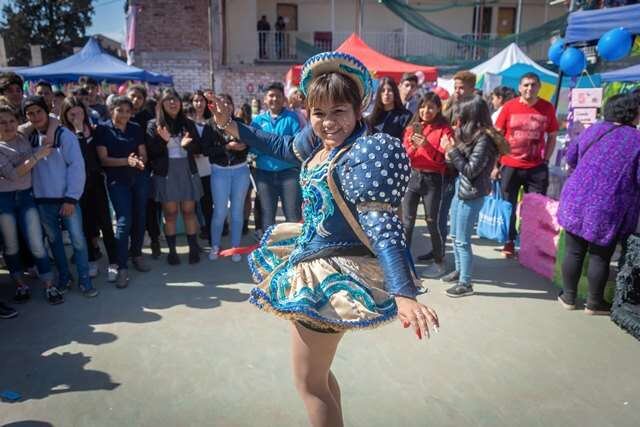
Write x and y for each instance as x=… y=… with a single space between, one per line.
x=183 y=347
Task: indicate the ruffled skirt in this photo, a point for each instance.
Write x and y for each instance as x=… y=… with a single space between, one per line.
x=331 y=294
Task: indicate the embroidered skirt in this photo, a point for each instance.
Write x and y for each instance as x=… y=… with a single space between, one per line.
x=331 y=294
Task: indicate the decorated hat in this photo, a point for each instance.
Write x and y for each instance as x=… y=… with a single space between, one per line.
x=337 y=62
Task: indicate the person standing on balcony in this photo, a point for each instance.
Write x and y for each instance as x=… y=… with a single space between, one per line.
x=530 y=126
x=280 y=45
x=277 y=179
x=408 y=87
x=263 y=29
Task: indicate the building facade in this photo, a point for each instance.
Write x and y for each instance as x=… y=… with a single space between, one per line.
x=188 y=38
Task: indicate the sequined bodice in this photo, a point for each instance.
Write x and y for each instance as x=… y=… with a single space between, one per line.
x=317 y=203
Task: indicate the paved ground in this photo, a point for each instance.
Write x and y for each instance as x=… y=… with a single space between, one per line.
x=183 y=347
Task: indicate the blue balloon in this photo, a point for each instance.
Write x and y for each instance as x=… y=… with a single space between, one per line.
x=555 y=51
x=615 y=44
x=572 y=61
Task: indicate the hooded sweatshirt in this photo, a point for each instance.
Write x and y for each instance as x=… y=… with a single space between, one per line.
x=59 y=177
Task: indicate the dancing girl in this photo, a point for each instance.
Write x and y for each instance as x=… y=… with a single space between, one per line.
x=346 y=267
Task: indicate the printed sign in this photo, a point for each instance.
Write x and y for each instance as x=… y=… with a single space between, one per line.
x=586 y=116
x=586 y=98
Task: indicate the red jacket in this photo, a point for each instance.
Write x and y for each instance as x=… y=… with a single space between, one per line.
x=430 y=156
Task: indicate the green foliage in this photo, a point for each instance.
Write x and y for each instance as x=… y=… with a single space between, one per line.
x=57 y=25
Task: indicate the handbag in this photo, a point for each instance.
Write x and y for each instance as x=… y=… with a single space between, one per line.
x=495 y=216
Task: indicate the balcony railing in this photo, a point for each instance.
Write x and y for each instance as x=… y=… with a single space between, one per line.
x=285 y=46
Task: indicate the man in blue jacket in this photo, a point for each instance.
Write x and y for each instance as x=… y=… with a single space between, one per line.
x=58 y=183
x=276 y=179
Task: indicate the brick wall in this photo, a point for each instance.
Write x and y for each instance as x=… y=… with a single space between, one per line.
x=244 y=83
x=172 y=37
x=175 y=26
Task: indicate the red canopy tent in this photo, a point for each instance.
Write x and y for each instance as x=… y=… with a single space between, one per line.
x=380 y=65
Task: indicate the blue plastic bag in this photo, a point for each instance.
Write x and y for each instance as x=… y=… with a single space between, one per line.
x=493 y=221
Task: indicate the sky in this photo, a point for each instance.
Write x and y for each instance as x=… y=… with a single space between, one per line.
x=108 y=18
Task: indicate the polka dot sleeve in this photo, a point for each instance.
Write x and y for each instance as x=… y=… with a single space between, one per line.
x=374 y=179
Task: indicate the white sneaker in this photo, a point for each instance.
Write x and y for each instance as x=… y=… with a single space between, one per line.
x=236 y=257
x=112 y=273
x=93 y=269
x=433 y=271
x=213 y=253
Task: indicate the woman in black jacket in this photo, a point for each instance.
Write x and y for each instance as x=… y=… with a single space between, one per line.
x=94 y=201
x=472 y=153
x=388 y=115
x=173 y=142
x=230 y=180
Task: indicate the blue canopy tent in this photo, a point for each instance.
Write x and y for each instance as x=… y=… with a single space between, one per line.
x=629 y=74
x=92 y=61
x=589 y=25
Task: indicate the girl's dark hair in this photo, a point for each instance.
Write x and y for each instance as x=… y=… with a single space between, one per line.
x=117 y=101
x=334 y=88
x=138 y=88
x=245 y=113
x=474 y=116
x=434 y=99
x=6 y=108
x=175 y=126
x=378 y=108
x=621 y=108
x=69 y=103
x=504 y=92
x=207 y=112
x=189 y=109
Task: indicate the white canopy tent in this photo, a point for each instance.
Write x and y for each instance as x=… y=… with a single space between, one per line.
x=504 y=59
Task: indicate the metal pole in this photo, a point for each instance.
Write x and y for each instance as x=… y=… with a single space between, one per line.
x=333 y=23
x=211 y=38
x=362 y=18
x=405 y=29
x=519 y=18
x=357 y=23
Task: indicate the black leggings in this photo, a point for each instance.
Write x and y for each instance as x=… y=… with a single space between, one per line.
x=96 y=218
x=425 y=187
x=597 y=273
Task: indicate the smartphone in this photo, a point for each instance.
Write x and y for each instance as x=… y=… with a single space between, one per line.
x=417 y=128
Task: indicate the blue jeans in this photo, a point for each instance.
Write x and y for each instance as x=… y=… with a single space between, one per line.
x=129 y=200
x=50 y=217
x=281 y=185
x=18 y=211
x=229 y=185
x=464 y=215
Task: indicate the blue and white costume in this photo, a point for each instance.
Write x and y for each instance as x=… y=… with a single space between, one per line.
x=341 y=267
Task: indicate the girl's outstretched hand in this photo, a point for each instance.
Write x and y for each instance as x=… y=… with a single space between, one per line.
x=419 y=316
x=221 y=111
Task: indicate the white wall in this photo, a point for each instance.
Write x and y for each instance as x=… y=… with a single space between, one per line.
x=315 y=15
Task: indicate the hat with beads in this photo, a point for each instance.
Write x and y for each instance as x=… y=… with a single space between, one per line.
x=338 y=62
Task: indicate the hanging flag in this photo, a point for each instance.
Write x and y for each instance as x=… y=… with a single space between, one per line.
x=130 y=33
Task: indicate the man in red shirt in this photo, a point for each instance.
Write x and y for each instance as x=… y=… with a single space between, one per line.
x=530 y=126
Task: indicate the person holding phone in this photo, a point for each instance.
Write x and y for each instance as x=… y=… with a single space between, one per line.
x=422 y=143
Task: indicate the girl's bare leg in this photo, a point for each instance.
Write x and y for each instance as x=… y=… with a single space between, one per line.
x=313 y=354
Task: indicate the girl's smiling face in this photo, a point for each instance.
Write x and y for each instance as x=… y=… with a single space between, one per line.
x=428 y=111
x=333 y=123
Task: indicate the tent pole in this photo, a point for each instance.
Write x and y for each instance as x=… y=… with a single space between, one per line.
x=519 y=19
x=556 y=94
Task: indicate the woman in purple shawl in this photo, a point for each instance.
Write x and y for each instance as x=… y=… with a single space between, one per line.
x=600 y=202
